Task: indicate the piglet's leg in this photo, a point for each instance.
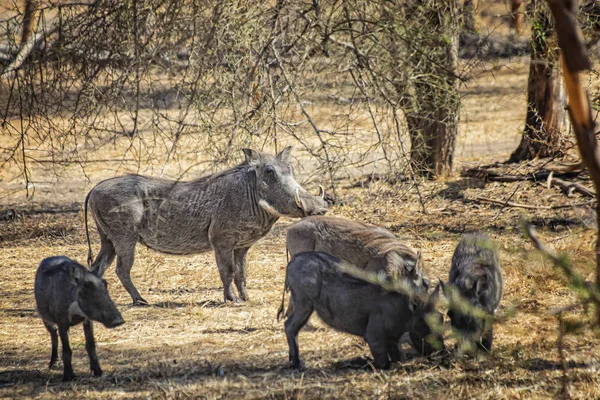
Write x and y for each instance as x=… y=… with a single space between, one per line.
x=54 y=339
x=68 y=374
x=377 y=341
x=486 y=340
x=296 y=320
x=90 y=346
x=394 y=350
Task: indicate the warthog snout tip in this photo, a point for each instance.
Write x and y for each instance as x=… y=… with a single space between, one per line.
x=115 y=322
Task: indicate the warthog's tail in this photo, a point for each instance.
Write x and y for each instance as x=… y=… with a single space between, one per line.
x=87 y=230
x=285 y=288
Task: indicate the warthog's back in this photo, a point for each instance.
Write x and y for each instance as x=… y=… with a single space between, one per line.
x=169 y=216
x=366 y=246
x=53 y=291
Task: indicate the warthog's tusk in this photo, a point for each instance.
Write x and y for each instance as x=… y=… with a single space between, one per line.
x=321 y=192
x=298 y=201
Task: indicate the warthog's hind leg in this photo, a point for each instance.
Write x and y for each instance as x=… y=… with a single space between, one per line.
x=296 y=321
x=54 y=339
x=125 y=258
x=105 y=257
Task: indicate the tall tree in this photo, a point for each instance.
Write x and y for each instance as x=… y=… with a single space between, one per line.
x=546 y=118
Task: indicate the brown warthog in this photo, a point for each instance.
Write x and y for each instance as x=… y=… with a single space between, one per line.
x=368 y=247
x=226 y=212
x=318 y=283
x=67 y=294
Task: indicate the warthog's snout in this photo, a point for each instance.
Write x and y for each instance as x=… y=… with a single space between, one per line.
x=117 y=321
x=309 y=204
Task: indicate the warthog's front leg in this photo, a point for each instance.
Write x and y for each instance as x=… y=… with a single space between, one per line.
x=225 y=263
x=377 y=341
x=68 y=374
x=90 y=346
x=239 y=271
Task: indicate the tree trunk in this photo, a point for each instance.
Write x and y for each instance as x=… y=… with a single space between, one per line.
x=432 y=144
x=433 y=121
x=469 y=10
x=546 y=97
x=516 y=16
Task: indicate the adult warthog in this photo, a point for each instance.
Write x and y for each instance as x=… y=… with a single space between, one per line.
x=226 y=212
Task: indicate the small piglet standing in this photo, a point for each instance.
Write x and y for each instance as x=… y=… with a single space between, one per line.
x=476 y=275
x=66 y=294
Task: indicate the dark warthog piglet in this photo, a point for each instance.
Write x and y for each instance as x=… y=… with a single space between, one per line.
x=66 y=294
x=226 y=212
x=476 y=275
x=351 y=305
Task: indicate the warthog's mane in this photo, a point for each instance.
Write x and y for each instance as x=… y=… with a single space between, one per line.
x=208 y=179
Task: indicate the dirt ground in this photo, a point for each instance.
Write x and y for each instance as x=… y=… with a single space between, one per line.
x=188 y=344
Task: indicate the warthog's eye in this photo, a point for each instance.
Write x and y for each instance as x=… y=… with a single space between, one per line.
x=269 y=171
x=105 y=283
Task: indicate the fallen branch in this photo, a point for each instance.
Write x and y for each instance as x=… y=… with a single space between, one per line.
x=528 y=206
x=569 y=187
x=492 y=176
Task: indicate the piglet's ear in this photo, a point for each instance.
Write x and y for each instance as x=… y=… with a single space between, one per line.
x=285 y=155
x=443 y=286
x=75 y=274
x=435 y=296
x=252 y=156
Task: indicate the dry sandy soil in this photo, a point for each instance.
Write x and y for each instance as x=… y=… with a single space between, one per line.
x=188 y=344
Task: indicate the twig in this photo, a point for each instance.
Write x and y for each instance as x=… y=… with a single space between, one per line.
x=528 y=206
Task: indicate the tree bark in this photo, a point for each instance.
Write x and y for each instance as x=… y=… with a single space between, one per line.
x=432 y=118
x=546 y=118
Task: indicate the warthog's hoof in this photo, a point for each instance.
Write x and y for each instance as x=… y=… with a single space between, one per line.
x=67 y=377
x=140 y=303
x=96 y=371
x=297 y=364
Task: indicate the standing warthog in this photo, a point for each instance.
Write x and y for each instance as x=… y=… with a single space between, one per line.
x=476 y=275
x=66 y=294
x=226 y=212
x=351 y=305
x=367 y=247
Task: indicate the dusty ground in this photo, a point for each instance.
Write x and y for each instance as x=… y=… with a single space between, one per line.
x=187 y=344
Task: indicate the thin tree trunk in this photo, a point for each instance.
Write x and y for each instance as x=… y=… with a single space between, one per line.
x=546 y=118
x=434 y=125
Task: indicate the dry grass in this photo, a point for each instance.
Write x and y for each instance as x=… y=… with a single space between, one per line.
x=189 y=345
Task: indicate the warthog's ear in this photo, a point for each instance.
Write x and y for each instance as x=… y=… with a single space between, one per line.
x=435 y=295
x=75 y=274
x=443 y=286
x=285 y=154
x=252 y=156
